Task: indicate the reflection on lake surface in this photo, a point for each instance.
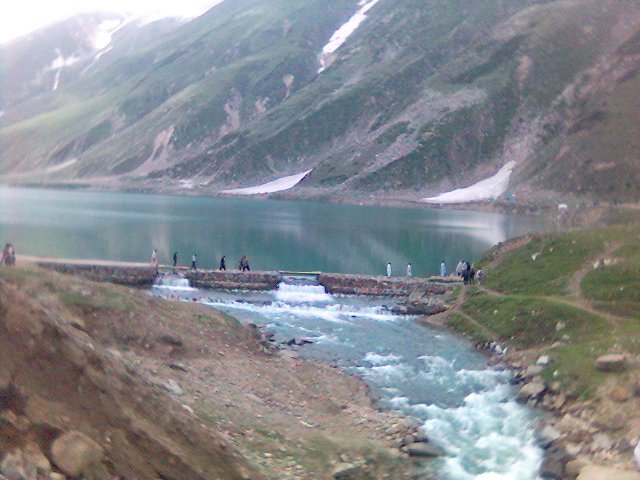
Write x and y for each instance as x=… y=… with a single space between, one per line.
x=274 y=235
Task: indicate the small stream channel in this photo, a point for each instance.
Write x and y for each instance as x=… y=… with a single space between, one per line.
x=429 y=374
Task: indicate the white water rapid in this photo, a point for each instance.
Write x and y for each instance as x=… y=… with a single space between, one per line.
x=431 y=375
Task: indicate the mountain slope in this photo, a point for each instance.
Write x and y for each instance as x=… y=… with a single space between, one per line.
x=422 y=98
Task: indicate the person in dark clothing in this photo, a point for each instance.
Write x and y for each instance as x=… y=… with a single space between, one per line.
x=193 y=262
x=175 y=259
x=244 y=264
x=223 y=266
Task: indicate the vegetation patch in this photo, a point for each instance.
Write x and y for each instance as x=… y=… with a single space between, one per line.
x=529 y=321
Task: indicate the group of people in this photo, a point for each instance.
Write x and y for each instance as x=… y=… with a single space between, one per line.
x=243 y=264
x=463 y=269
x=409 y=270
x=8 y=255
x=468 y=273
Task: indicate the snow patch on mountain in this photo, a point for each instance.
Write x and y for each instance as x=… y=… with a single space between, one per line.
x=344 y=32
x=105 y=31
x=487 y=189
x=279 y=185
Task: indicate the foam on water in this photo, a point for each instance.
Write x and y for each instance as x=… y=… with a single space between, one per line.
x=175 y=283
x=302 y=293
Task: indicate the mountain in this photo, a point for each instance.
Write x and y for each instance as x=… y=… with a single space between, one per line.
x=376 y=98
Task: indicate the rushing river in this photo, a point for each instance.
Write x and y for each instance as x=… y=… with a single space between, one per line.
x=302 y=236
x=425 y=373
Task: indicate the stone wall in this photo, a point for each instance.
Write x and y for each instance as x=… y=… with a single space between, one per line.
x=380 y=286
x=233 y=280
x=122 y=275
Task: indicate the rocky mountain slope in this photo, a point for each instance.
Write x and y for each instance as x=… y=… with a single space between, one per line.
x=422 y=97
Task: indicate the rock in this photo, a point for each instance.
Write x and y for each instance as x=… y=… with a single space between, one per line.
x=553 y=464
x=533 y=370
x=601 y=441
x=26 y=463
x=594 y=472
x=172 y=387
x=424 y=450
x=75 y=454
x=13 y=465
x=533 y=390
x=543 y=361
x=347 y=471
x=34 y=457
x=573 y=468
x=547 y=436
x=620 y=395
x=615 y=362
x=636 y=455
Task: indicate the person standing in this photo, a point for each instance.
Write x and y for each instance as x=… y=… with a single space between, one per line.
x=223 y=266
x=389 y=269
x=443 y=269
x=193 y=262
x=175 y=259
x=154 y=258
x=8 y=255
x=460 y=268
x=409 y=270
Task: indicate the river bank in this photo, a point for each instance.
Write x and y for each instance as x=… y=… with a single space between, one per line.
x=562 y=306
x=154 y=387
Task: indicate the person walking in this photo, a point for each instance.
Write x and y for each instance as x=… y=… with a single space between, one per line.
x=409 y=270
x=223 y=266
x=443 y=269
x=193 y=262
x=479 y=275
x=389 y=269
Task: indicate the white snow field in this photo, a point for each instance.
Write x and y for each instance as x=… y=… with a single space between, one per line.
x=486 y=189
x=340 y=36
x=278 y=185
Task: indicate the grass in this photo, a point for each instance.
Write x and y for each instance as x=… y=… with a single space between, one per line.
x=533 y=309
x=546 y=264
x=527 y=321
x=462 y=325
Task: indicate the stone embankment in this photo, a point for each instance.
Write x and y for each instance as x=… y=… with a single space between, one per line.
x=230 y=280
x=417 y=296
x=131 y=275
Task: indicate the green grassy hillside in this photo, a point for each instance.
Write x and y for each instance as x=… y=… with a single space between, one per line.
x=572 y=295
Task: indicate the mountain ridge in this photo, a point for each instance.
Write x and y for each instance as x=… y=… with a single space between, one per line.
x=422 y=98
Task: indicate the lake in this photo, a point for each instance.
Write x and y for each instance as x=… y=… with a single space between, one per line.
x=275 y=235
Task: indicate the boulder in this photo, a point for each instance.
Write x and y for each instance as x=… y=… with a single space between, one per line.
x=620 y=395
x=636 y=455
x=543 y=361
x=74 y=453
x=614 y=362
x=573 y=468
x=594 y=472
x=553 y=464
x=533 y=370
x=424 y=450
x=601 y=441
x=172 y=387
x=548 y=435
x=347 y=471
x=533 y=389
